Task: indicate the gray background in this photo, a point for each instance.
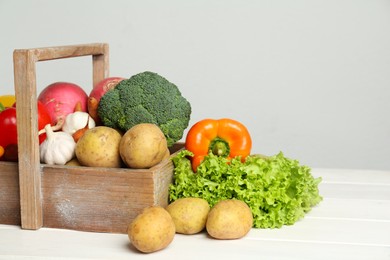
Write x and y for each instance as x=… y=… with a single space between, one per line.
x=308 y=78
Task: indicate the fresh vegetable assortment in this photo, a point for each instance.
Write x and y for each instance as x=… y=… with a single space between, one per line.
x=278 y=190
x=132 y=123
x=118 y=105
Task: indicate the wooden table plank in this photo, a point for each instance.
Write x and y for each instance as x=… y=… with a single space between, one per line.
x=352 y=209
x=329 y=230
x=61 y=244
x=353 y=176
x=355 y=191
x=352 y=222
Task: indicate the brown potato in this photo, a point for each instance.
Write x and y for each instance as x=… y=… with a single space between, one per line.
x=189 y=214
x=152 y=230
x=167 y=154
x=99 y=147
x=143 y=146
x=229 y=219
x=73 y=162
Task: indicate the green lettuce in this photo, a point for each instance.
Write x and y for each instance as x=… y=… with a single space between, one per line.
x=278 y=190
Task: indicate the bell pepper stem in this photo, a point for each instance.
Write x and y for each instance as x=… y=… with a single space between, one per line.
x=220 y=147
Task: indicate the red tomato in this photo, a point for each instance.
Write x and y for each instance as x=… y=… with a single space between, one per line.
x=43 y=119
x=8 y=128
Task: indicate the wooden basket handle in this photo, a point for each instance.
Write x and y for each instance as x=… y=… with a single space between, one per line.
x=27 y=118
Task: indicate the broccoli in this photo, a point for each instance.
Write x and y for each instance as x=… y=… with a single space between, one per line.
x=146 y=98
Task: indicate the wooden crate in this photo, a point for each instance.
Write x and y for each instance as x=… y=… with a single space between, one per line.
x=70 y=197
x=9 y=194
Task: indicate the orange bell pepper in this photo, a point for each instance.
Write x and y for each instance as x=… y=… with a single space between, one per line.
x=223 y=137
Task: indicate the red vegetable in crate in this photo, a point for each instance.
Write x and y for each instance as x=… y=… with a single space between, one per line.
x=60 y=99
x=43 y=119
x=9 y=138
x=8 y=127
x=97 y=92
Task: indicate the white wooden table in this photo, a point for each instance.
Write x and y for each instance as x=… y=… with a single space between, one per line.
x=352 y=222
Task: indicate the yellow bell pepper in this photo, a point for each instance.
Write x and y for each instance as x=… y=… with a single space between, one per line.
x=7 y=100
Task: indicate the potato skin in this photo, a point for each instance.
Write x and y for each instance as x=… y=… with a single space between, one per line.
x=99 y=147
x=143 y=146
x=152 y=230
x=73 y=162
x=229 y=219
x=189 y=214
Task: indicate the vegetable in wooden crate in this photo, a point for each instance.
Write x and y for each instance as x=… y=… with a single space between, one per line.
x=58 y=147
x=96 y=94
x=278 y=190
x=143 y=146
x=99 y=147
x=8 y=137
x=146 y=98
x=61 y=98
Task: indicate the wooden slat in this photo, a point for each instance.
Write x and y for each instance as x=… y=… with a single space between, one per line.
x=100 y=65
x=94 y=199
x=27 y=122
x=355 y=191
x=69 y=51
x=323 y=230
x=354 y=209
x=9 y=194
x=330 y=231
x=353 y=176
x=28 y=145
x=64 y=244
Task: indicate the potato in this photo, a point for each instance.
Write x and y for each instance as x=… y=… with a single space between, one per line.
x=152 y=230
x=167 y=154
x=143 y=146
x=73 y=162
x=229 y=219
x=99 y=147
x=189 y=214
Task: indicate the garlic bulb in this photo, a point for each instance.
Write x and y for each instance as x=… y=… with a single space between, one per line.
x=58 y=148
x=77 y=120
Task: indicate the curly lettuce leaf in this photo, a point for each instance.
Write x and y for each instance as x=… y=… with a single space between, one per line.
x=278 y=190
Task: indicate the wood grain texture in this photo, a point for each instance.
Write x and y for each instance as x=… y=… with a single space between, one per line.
x=27 y=121
x=28 y=145
x=101 y=199
x=9 y=194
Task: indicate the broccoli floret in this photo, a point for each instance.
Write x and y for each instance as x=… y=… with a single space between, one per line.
x=146 y=98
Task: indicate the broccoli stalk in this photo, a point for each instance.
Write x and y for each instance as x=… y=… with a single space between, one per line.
x=146 y=98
